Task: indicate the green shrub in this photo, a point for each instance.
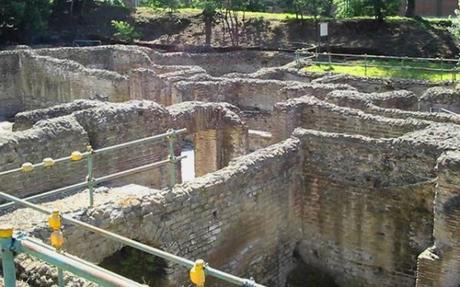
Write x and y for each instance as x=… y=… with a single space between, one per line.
x=124 y=31
x=455 y=28
x=171 y=5
x=354 y=8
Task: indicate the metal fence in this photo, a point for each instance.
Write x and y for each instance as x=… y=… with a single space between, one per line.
x=10 y=245
x=444 y=66
x=89 y=154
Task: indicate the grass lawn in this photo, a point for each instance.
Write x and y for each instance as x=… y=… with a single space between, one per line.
x=392 y=70
x=248 y=15
x=282 y=16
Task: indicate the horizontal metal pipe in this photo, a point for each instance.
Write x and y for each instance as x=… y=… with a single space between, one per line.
x=48 y=193
x=99 y=276
x=78 y=259
x=132 y=243
x=389 y=57
x=387 y=66
x=449 y=112
x=85 y=154
x=97 y=181
x=143 y=140
x=135 y=170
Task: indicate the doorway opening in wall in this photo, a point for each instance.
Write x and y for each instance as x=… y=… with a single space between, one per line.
x=188 y=163
x=138 y=266
x=306 y=275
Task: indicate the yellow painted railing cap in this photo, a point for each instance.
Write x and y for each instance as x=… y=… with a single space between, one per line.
x=6 y=231
x=27 y=167
x=48 y=162
x=57 y=239
x=76 y=155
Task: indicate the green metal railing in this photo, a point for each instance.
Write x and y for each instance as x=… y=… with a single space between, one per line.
x=306 y=53
x=58 y=259
x=135 y=244
x=91 y=181
x=10 y=245
x=449 y=66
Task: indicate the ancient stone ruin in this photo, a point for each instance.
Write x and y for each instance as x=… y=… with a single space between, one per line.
x=298 y=177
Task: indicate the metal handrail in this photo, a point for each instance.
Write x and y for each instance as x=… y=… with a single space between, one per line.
x=170 y=135
x=105 y=149
x=89 y=155
x=455 y=63
x=142 y=140
x=388 y=57
x=76 y=266
x=99 y=180
x=388 y=66
x=137 y=245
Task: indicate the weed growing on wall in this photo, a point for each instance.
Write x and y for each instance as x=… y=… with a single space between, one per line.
x=125 y=31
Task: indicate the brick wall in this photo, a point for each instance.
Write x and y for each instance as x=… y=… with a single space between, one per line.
x=249 y=93
x=311 y=113
x=11 y=102
x=218 y=64
x=238 y=219
x=110 y=124
x=56 y=138
x=48 y=81
x=117 y=58
x=365 y=217
x=357 y=208
x=439 y=265
x=437 y=8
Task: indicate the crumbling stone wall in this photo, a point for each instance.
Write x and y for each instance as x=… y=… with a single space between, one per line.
x=26 y=120
x=249 y=93
x=198 y=219
x=11 y=102
x=117 y=58
x=49 y=81
x=311 y=113
x=401 y=100
x=365 y=207
x=437 y=98
x=104 y=124
x=371 y=85
x=353 y=197
x=439 y=264
x=357 y=208
x=218 y=64
x=219 y=133
x=55 y=138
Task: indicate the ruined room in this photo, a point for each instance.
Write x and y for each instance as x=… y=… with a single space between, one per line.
x=290 y=176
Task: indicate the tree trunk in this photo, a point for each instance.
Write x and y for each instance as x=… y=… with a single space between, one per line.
x=439 y=8
x=208 y=32
x=410 y=8
x=378 y=6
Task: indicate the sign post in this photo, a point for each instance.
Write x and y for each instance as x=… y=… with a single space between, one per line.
x=324 y=33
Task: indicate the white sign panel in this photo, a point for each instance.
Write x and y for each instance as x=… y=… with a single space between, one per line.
x=323 y=29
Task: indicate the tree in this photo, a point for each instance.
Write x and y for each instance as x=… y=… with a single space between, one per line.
x=410 y=8
x=20 y=20
x=454 y=29
x=308 y=7
x=209 y=17
x=377 y=8
x=171 y=5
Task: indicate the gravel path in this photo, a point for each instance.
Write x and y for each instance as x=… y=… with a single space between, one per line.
x=26 y=218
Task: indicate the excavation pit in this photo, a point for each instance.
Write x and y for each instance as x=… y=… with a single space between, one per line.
x=352 y=179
